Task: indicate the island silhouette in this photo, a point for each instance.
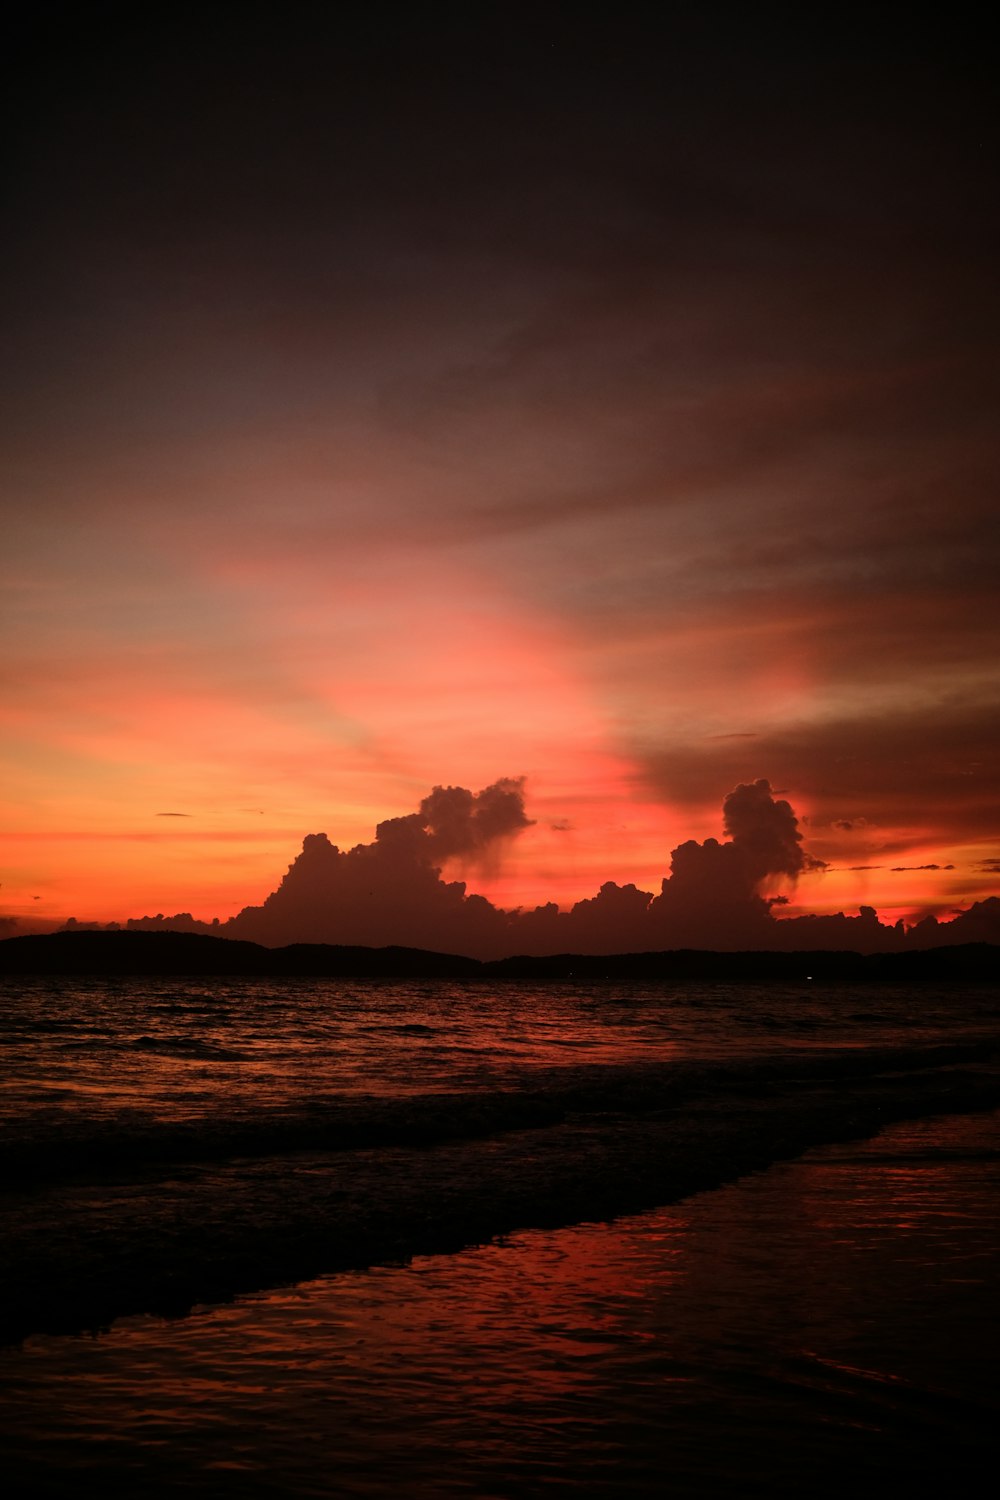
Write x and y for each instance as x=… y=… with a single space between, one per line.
x=86 y=951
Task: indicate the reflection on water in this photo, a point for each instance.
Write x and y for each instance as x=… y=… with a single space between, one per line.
x=827 y=1323
x=122 y=1052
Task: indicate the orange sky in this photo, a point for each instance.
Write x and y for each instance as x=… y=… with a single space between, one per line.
x=575 y=432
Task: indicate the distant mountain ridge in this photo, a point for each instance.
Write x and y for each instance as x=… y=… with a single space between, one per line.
x=178 y=953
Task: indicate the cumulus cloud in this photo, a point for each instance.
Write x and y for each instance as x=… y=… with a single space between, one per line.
x=454 y=823
x=713 y=896
x=765 y=832
x=719 y=893
x=391 y=890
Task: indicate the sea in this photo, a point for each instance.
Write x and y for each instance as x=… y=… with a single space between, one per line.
x=329 y=1238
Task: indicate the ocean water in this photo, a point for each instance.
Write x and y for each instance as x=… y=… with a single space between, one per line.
x=322 y=1239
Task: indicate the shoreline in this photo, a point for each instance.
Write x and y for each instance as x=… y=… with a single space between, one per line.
x=778 y=1336
x=81 y=1256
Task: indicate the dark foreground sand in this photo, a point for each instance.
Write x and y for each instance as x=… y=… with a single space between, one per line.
x=821 y=1328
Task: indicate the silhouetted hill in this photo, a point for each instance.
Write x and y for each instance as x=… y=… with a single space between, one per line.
x=124 y=952
x=92 y=952
x=176 y=953
x=977 y=961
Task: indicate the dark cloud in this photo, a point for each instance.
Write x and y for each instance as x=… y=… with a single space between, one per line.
x=463 y=826
x=173 y=815
x=893 y=768
x=392 y=890
x=713 y=895
x=455 y=824
x=719 y=893
x=980 y=923
x=765 y=832
x=900 y=869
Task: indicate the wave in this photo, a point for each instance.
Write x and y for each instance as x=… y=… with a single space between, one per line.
x=56 y=1147
x=149 y=1216
x=186 y=1047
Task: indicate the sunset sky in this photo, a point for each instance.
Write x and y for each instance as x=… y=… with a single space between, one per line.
x=460 y=393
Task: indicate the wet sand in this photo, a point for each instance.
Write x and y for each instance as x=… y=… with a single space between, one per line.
x=822 y=1326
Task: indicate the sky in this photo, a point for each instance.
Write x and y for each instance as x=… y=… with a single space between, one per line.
x=450 y=396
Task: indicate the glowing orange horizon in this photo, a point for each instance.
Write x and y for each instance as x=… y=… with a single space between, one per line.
x=179 y=768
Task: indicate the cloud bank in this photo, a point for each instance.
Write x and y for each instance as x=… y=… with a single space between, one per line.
x=720 y=894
